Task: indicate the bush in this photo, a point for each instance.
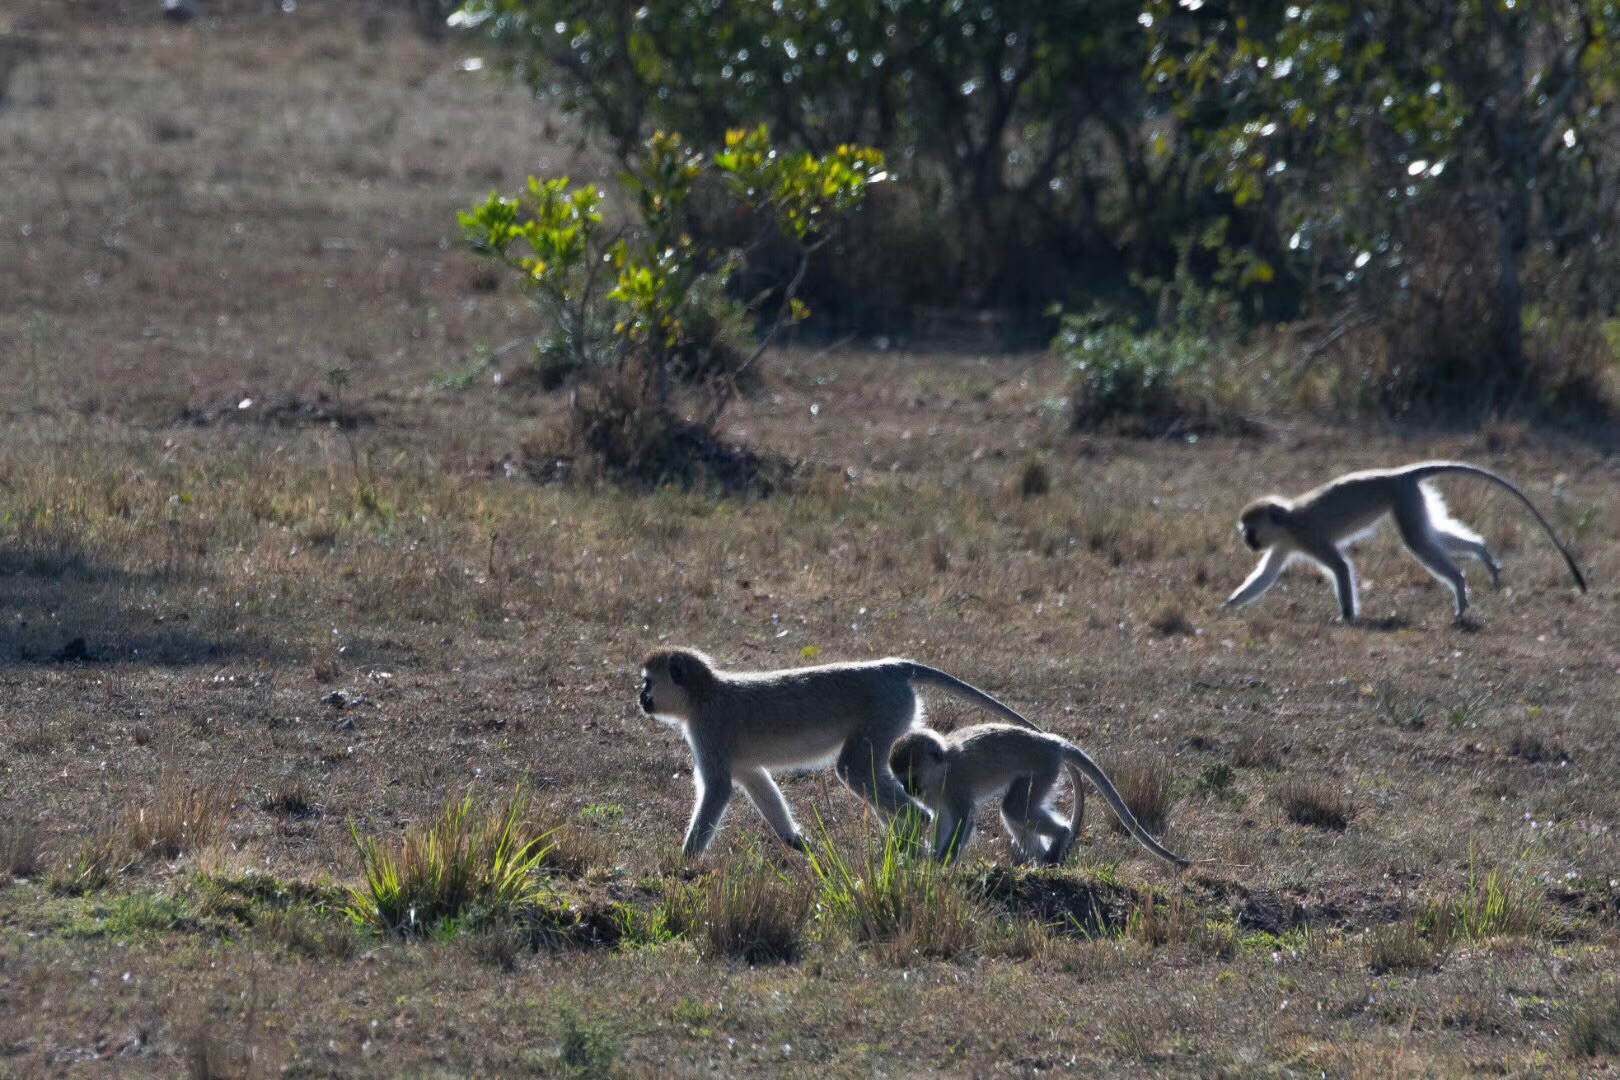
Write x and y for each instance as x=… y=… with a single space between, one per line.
x=1010 y=117
x=644 y=316
x=1134 y=383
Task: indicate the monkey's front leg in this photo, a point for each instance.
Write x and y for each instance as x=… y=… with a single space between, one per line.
x=951 y=832
x=713 y=795
x=1264 y=577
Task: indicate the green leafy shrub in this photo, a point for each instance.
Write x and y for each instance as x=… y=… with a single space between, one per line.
x=644 y=315
x=1131 y=382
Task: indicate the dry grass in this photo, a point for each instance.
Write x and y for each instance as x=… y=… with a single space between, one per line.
x=19 y=852
x=181 y=819
x=185 y=581
x=1314 y=803
x=752 y=912
x=1145 y=783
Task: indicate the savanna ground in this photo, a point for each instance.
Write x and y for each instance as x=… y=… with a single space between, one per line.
x=1409 y=828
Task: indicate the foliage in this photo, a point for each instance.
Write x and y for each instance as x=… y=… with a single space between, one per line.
x=1400 y=146
x=637 y=310
x=469 y=866
x=1016 y=121
x=1131 y=379
x=1173 y=376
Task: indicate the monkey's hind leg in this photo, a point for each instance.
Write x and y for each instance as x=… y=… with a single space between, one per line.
x=768 y=800
x=1021 y=808
x=1428 y=548
x=1457 y=538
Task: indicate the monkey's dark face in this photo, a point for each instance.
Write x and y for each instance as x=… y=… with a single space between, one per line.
x=918 y=763
x=1258 y=525
x=646 y=693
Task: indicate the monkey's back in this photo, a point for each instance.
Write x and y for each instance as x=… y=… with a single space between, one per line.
x=1002 y=753
x=796 y=716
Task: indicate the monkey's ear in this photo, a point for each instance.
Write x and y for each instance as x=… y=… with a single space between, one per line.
x=677 y=670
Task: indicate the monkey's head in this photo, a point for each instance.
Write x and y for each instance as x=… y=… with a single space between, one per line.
x=671 y=679
x=917 y=760
x=1260 y=522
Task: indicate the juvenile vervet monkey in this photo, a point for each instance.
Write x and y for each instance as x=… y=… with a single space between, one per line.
x=952 y=774
x=741 y=725
x=1321 y=524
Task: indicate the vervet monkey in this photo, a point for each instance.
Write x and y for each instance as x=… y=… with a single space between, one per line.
x=741 y=725
x=1321 y=524
x=952 y=774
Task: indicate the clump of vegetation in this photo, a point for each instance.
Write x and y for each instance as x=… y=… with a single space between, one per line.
x=291 y=800
x=1534 y=750
x=181 y=819
x=586 y=1046
x=1497 y=905
x=751 y=912
x=1179 y=921
x=1218 y=779
x=302 y=930
x=1145 y=783
x=1171 y=621
x=1404 y=945
x=471 y=866
x=100 y=857
x=1594 y=1023
x=646 y=315
x=895 y=898
x=1315 y=804
x=1258 y=748
x=19 y=852
x=1034 y=478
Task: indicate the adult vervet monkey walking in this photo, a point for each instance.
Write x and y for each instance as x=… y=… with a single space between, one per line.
x=952 y=774
x=743 y=724
x=1320 y=524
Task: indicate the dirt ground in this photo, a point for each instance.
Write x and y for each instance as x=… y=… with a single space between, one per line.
x=329 y=604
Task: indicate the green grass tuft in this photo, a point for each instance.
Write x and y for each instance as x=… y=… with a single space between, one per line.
x=470 y=866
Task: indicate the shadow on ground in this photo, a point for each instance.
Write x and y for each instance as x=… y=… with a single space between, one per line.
x=60 y=607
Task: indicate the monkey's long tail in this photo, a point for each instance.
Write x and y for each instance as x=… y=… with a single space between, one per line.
x=1081 y=765
x=922 y=673
x=1435 y=468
